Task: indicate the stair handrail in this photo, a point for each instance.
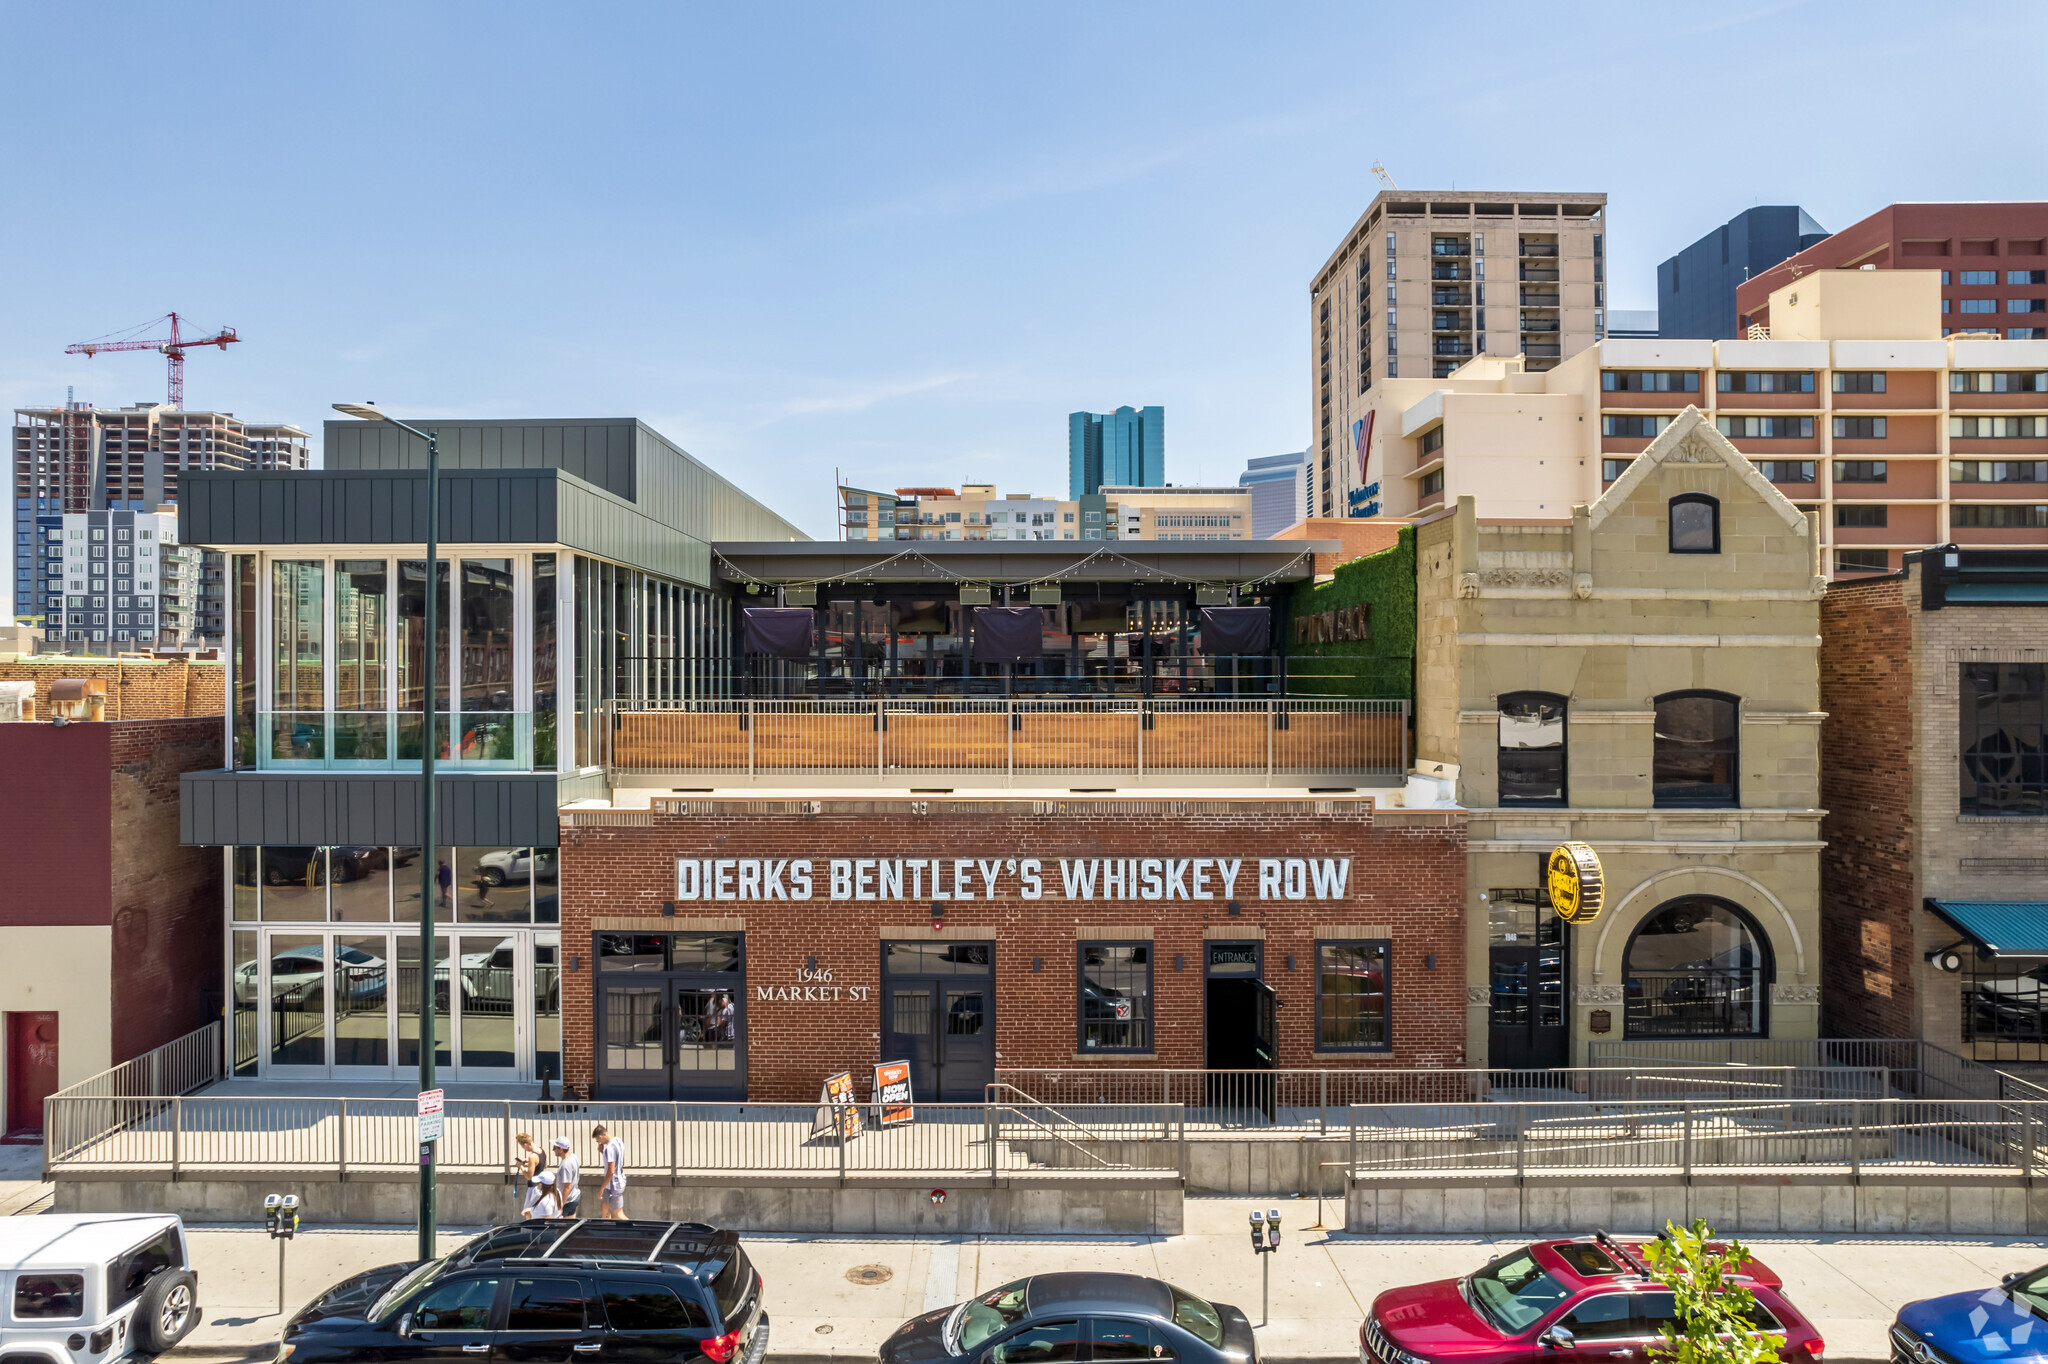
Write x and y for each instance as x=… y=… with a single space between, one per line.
x=989 y=1094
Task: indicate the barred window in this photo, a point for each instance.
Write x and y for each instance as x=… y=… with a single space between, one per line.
x=2003 y=708
x=1352 y=1010
x=1114 y=1006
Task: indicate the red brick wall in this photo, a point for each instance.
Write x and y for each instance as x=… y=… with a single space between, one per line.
x=53 y=811
x=1866 y=684
x=1407 y=872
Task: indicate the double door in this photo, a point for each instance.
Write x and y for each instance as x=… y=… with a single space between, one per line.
x=939 y=1015
x=345 y=1004
x=663 y=1036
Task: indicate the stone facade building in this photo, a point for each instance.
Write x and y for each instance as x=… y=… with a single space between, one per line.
x=1640 y=676
x=1935 y=681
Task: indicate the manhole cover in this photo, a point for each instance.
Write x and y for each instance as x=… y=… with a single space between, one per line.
x=826 y=1329
x=870 y=1275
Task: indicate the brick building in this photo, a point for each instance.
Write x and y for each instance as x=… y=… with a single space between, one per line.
x=1639 y=676
x=1935 y=924
x=110 y=929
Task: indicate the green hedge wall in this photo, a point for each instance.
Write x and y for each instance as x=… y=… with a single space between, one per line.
x=1381 y=667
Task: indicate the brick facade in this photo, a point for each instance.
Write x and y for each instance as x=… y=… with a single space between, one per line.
x=1406 y=878
x=1867 y=776
x=142 y=689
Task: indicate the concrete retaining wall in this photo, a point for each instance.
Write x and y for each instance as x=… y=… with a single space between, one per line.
x=1147 y=1203
x=1797 y=1203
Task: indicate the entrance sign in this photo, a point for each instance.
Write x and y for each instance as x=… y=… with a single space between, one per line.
x=939 y=880
x=431 y=1115
x=892 y=1093
x=838 y=1112
x=1575 y=882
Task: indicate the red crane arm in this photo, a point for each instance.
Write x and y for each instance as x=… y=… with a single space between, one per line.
x=227 y=334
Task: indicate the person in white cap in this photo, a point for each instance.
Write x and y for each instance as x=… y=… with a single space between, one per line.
x=568 y=1177
x=540 y=1197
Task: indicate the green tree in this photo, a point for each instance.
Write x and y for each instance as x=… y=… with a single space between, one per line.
x=1715 y=1310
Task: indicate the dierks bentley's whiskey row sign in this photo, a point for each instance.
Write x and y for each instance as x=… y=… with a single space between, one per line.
x=928 y=879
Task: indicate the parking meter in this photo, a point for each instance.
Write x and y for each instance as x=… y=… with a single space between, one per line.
x=1273 y=1227
x=1265 y=1240
x=281 y=1220
x=1258 y=1232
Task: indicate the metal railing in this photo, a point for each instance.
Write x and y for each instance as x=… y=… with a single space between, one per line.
x=1008 y=739
x=1296 y=1102
x=1907 y=1136
x=140 y=1086
x=223 y=1136
x=1917 y=1069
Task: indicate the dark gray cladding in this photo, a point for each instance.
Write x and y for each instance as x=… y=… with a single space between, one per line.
x=332 y=507
x=376 y=809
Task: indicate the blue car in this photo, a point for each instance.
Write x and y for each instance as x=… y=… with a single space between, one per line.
x=2008 y=1323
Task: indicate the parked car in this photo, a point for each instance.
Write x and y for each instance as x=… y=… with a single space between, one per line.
x=516 y=864
x=2002 y=1323
x=1585 y=1298
x=299 y=974
x=552 y=1289
x=1048 y=1316
x=97 y=1286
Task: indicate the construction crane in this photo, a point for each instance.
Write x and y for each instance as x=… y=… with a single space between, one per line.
x=1380 y=174
x=173 y=346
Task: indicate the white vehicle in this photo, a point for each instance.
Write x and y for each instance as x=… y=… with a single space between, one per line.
x=89 y=1288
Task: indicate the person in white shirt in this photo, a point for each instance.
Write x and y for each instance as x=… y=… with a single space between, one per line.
x=568 y=1177
x=611 y=1153
x=540 y=1197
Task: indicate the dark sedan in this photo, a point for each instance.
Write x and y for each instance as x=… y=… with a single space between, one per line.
x=1049 y=1318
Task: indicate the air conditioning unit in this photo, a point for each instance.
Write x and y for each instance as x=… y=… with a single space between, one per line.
x=17 y=701
x=78 y=698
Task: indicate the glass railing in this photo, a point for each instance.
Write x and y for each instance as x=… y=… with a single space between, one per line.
x=394 y=741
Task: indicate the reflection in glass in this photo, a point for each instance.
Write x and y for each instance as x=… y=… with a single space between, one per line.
x=629 y=1018
x=489 y=989
x=1694 y=969
x=632 y=952
x=545 y=654
x=1695 y=747
x=298 y=1000
x=298 y=692
x=936 y=959
x=294 y=885
x=247 y=860
x=361 y=620
x=1116 y=996
x=1532 y=752
x=412 y=637
x=485 y=637
x=493 y=885
x=248 y=998
x=242 y=655
x=362 y=1029
x=547 y=1006
x=361 y=889
x=718 y=952
x=547 y=893
x=707 y=1028
x=1351 y=994
x=405 y=885
x=409 y=1000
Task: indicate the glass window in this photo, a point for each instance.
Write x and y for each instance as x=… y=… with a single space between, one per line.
x=1632 y=426
x=637 y=1305
x=1863 y=561
x=294 y=884
x=718 y=953
x=49 y=1297
x=297 y=686
x=1112 y=1338
x=1853 y=381
x=1514 y=1292
x=2005 y=515
x=1695 y=524
x=411 y=659
x=1532 y=749
x=1695 y=968
x=493 y=885
x=1994 y=381
x=2003 y=708
x=546 y=655
x=1694 y=762
x=406 y=885
x=1860 y=428
x=1998 y=471
x=1605 y=1316
x=361 y=630
x=632 y=952
x=1861 y=516
x=464 y=1305
x=485 y=637
x=547 y=1005
x=248 y=998
x=1765 y=428
x=246 y=862
x=1786 y=470
x=936 y=958
x=361 y=884
x=544 y=1305
x=1352 y=1005
x=1861 y=471
x=1737 y=381
x=129 y=1275
x=1116 y=996
x=2005 y=1010
x=242 y=656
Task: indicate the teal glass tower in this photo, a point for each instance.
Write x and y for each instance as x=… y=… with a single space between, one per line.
x=1123 y=449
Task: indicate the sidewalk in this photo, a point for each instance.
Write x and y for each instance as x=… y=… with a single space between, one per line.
x=823 y=1309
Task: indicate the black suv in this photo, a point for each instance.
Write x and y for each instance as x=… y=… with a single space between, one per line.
x=557 y=1291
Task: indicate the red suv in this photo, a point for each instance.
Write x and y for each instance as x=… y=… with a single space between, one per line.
x=1584 y=1301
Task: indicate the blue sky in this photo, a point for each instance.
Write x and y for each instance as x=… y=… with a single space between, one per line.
x=899 y=240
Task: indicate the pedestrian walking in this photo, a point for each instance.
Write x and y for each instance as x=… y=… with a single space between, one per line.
x=611 y=1153
x=540 y=1198
x=568 y=1178
x=528 y=1160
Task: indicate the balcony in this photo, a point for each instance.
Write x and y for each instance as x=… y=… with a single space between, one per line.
x=1542 y=350
x=1536 y=275
x=1452 y=348
x=1452 y=322
x=1453 y=272
x=1450 y=298
x=1537 y=300
x=1541 y=324
x=1450 y=248
x=1013 y=742
x=1539 y=248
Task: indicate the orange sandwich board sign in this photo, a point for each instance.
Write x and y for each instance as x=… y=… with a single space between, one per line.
x=892 y=1093
x=838 y=1110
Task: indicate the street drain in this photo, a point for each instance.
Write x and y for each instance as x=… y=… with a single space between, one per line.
x=870 y=1276
x=826 y=1329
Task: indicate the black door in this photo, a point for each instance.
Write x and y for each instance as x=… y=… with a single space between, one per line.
x=938 y=1014
x=671 y=1016
x=1238 y=1030
x=451 y=1322
x=545 y=1320
x=1525 y=984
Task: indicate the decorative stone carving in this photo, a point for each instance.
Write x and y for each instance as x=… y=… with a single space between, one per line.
x=1525 y=577
x=1582 y=587
x=1477 y=994
x=1782 y=993
x=1597 y=994
x=1694 y=449
x=1468 y=584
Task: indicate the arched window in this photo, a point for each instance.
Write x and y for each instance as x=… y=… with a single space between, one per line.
x=1697 y=967
x=1532 y=751
x=1695 y=524
x=1698 y=737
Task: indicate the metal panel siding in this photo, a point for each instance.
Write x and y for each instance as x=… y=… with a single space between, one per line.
x=375 y=809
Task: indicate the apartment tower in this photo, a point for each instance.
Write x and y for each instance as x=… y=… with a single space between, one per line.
x=1423 y=258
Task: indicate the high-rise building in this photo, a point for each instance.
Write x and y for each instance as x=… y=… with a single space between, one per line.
x=77 y=458
x=1993 y=260
x=1425 y=256
x=1696 y=287
x=118 y=581
x=1854 y=406
x=1279 y=488
x=978 y=512
x=1126 y=447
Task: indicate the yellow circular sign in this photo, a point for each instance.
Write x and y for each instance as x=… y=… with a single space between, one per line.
x=1575 y=883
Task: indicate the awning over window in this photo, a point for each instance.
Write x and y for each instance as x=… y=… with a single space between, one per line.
x=2010 y=928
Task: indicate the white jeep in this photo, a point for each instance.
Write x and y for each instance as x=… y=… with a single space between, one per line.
x=90 y=1288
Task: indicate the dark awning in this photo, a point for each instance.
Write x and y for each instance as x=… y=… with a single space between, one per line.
x=2005 y=928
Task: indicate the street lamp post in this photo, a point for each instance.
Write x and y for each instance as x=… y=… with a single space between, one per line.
x=429 y=861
